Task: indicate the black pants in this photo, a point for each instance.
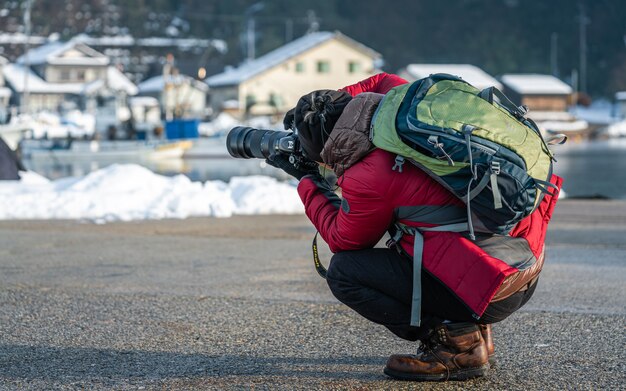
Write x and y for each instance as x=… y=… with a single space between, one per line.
x=378 y=284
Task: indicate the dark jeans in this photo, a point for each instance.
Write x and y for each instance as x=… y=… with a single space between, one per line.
x=378 y=283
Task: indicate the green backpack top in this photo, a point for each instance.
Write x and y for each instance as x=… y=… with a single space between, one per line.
x=477 y=144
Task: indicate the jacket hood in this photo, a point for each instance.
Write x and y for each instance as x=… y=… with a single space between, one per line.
x=349 y=141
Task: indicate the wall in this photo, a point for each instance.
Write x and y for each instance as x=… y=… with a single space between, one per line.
x=288 y=85
x=191 y=100
x=54 y=73
x=546 y=102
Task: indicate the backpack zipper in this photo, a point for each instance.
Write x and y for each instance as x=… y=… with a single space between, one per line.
x=458 y=139
x=434 y=141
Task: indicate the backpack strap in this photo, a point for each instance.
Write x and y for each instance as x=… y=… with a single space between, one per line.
x=418 y=255
x=489 y=93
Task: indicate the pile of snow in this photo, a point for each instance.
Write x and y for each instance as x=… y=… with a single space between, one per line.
x=47 y=124
x=219 y=126
x=224 y=122
x=617 y=129
x=124 y=192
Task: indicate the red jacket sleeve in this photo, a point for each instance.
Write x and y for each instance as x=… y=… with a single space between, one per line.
x=358 y=221
x=380 y=83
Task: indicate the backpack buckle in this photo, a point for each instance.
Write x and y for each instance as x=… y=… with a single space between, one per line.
x=495 y=168
x=399 y=164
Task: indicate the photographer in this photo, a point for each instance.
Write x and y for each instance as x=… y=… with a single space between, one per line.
x=333 y=130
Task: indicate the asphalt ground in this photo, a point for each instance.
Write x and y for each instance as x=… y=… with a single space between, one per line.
x=236 y=304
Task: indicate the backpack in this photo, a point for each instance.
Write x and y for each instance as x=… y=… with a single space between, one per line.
x=477 y=144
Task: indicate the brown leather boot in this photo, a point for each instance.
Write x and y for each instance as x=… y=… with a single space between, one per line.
x=455 y=351
x=485 y=331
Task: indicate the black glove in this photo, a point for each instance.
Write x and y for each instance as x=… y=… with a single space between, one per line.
x=304 y=168
x=288 y=121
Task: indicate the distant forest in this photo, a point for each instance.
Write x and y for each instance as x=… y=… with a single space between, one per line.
x=501 y=36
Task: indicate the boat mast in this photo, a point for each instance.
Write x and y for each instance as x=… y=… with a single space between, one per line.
x=28 y=4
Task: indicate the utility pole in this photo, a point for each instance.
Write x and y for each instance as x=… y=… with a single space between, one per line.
x=288 y=30
x=554 y=50
x=582 y=38
x=251 y=29
x=28 y=5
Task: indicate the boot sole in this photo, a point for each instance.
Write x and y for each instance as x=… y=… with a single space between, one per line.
x=460 y=374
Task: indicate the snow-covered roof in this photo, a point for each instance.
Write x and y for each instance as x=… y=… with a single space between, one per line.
x=51 y=53
x=535 y=84
x=15 y=74
x=119 y=82
x=129 y=40
x=147 y=101
x=157 y=83
x=620 y=95
x=470 y=73
x=20 y=39
x=4 y=92
x=278 y=56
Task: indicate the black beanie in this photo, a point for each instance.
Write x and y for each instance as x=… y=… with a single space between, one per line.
x=315 y=116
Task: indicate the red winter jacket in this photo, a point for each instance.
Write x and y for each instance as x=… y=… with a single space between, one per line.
x=372 y=193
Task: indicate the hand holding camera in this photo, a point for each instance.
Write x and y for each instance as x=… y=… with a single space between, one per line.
x=297 y=169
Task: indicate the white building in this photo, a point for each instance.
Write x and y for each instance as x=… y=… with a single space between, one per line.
x=70 y=74
x=274 y=82
x=179 y=95
x=470 y=73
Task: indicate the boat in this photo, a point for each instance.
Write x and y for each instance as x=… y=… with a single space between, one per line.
x=208 y=148
x=70 y=149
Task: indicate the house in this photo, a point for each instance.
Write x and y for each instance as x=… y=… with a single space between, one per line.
x=274 y=82
x=538 y=92
x=61 y=75
x=470 y=73
x=178 y=95
x=547 y=99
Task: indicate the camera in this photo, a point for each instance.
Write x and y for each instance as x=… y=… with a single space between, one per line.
x=245 y=142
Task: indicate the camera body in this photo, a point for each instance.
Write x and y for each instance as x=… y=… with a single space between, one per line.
x=244 y=142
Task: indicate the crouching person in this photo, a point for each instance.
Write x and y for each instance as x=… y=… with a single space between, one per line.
x=464 y=285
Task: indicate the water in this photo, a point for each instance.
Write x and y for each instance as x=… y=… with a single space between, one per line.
x=589 y=169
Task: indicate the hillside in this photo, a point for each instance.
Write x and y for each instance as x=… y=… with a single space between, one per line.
x=500 y=36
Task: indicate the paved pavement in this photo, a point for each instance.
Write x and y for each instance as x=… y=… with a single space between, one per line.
x=236 y=304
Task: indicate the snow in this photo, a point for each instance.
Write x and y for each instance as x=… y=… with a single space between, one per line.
x=220 y=125
x=14 y=75
x=51 y=125
x=617 y=129
x=125 y=192
x=50 y=53
x=535 y=84
x=563 y=126
x=470 y=73
x=20 y=39
x=157 y=84
x=601 y=112
x=119 y=82
x=129 y=40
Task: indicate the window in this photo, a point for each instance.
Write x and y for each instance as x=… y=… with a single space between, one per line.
x=65 y=75
x=299 y=67
x=323 y=67
x=80 y=75
x=354 y=66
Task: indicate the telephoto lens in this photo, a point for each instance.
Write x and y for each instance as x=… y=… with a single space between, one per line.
x=246 y=143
